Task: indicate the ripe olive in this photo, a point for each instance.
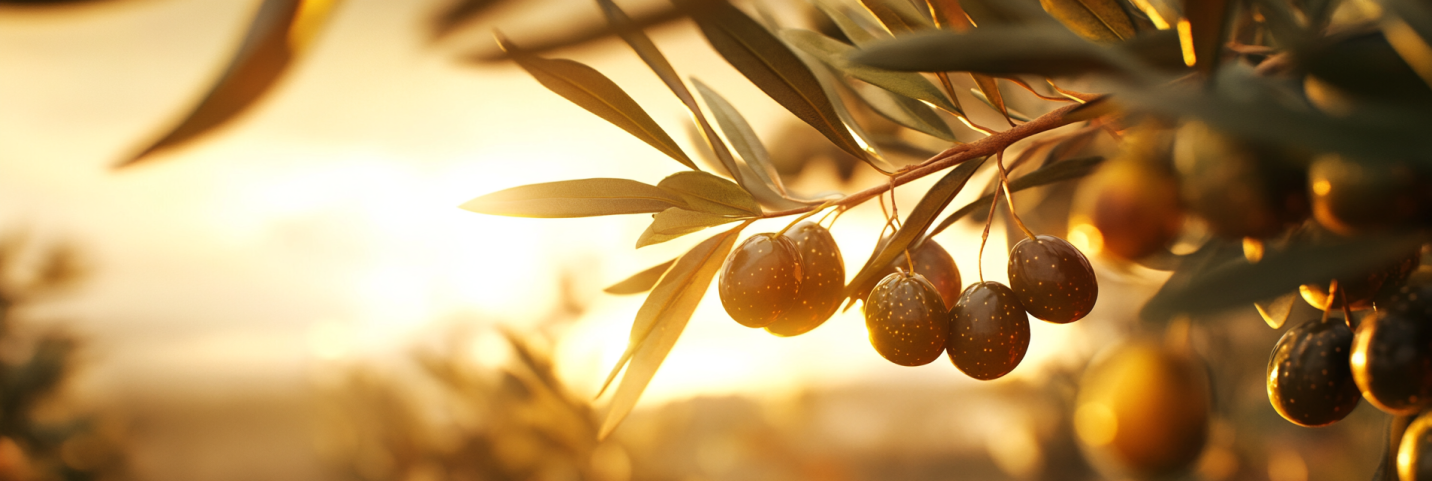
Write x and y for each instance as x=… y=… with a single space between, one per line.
x=1362 y=291
x=1144 y=407
x=1133 y=200
x=1351 y=197
x=1392 y=352
x=989 y=331
x=823 y=284
x=1414 y=453
x=934 y=264
x=906 y=319
x=1053 y=279
x=1239 y=188
x=1309 y=377
x=760 y=279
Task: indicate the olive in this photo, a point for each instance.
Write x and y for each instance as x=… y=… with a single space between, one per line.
x=1239 y=188
x=1145 y=407
x=1053 y=279
x=823 y=284
x=1309 y=377
x=1392 y=352
x=934 y=264
x=989 y=331
x=906 y=319
x=1133 y=200
x=1361 y=292
x=760 y=279
x=1356 y=197
x=1414 y=453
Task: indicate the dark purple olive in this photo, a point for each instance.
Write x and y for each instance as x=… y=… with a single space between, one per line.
x=989 y=331
x=906 y=319
x=823 y=286
x=1309 y=377
x=1392 y=352
x=760 y=279
x=1052 y=279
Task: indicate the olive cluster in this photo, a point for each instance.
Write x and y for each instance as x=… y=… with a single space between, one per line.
x=791 y=282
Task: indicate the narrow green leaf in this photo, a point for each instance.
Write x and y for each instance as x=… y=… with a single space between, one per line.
x=576 y=198
x=654 y=59
x=906 y=111
x=677 y=221
x=829 y=86
x=772 y=67
x=1096 y=20
x=1207 y=27
x=641 y=281
x=915 y=223
x=990 y=50
x=661 y=320
x=836 y=54
x=1049 y=174
x=1275 y=311
x=580 y=35
x=898 y=16
x=281 y=31
x=590 y=90
x=709 y=193
x=989 y=87
x=1237 y=282
x=846 y=20
x=742 y=136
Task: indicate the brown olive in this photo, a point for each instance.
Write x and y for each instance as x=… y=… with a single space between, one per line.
x=1133 y=199
x=823 y=284
x=1309 y=376
x=760 y=279
x=1145 y=407
x=989 y=331
x=1414 y=453
x=1241 y=189
x=1392 y=352
x=934 y=264
x=1053 y=280
x=906 y=319
x=1356 y=197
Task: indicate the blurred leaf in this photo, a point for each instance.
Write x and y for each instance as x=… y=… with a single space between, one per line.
x=641 y=281
x=989 y=50
x=576 y=198
x=1417 y=15
x=1092 y=109
x=644 y=48
x=1275 y=311
x=949 y=14
x=1411 y=46
x=1364 y=64
x=708 y=193
x=1281 y=22
x=837 y=55
x=459 y=12
x=987 y=13
x=583 y=35
x=907 y=112
x=590 y=90
x=898 y=16
x=914 y=225
x=743 y=138
x=1207 y=30
x=1237 y=282
x=661 y=320
x=1158 y=49
x=1049 y=174
x=280 y=31
x=769 y=64
x=845 y=20
x=1097 y=20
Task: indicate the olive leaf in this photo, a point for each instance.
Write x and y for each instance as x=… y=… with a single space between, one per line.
x=1049 y=174
x=576 y=198
x=658 y=64
x=641 y=281
x=949 y=14
x=914 y=225
x=829 y=86
x=583 y=34
x=771 y=66
x=1009 y=114
x=1096 y=20
x=661 y=320
x=1237 y=282
x=836 y=54
x=1275 y=311
x=845 y=19
x=989 y=89
x=987 y=13
x=1366 y=65
x=898 y=16
x=708 y=193
x=743 y=138
x=676 y=222
x=281 y=30
x=906 y=111
x=990 y=50
x=1206 y=27
x=590 y=90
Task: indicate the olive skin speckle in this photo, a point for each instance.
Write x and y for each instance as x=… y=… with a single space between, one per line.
x=1310 y=381
x=1052 y=279
x=989 y=331
x=760 y=279
x=906 y=320
x=823 y=287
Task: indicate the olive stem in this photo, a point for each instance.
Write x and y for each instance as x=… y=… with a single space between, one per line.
x=985 y=236
x=801 y=218
x=1347 y=310
x=950 y=157
x=910 y=260
x=1009 y=196
x=1332 y=297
